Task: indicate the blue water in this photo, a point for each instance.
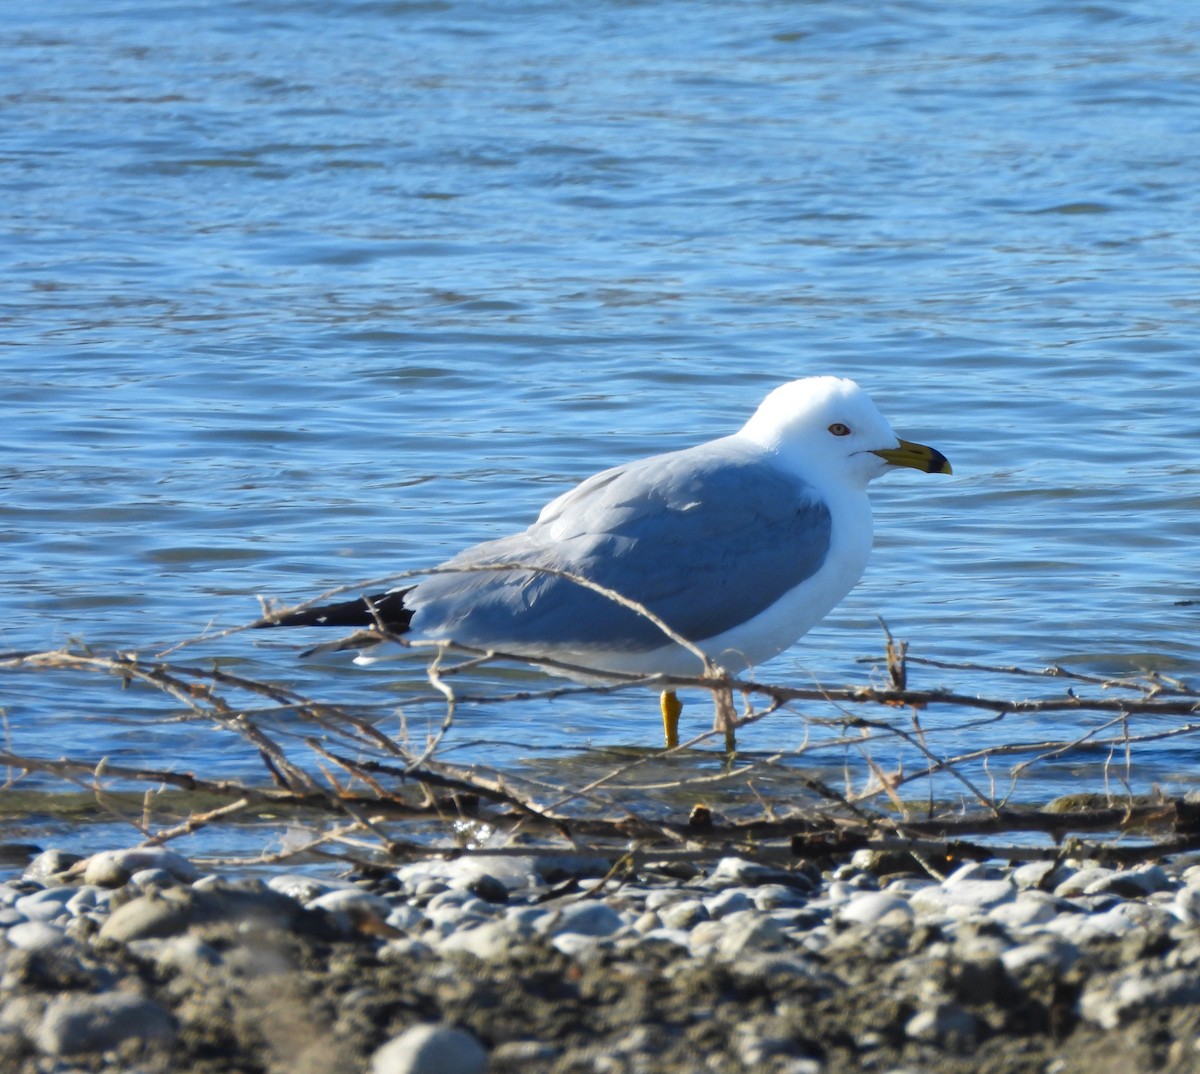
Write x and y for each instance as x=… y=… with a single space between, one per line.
x=299 y=294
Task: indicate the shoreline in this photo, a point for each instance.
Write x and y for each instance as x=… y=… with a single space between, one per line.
x=133 y=960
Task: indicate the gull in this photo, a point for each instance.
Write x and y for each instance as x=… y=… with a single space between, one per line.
x=737 y=547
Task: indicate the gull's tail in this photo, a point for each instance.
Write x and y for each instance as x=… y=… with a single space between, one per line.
x=385 y=610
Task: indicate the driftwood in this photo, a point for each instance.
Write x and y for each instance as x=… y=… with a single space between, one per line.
x=368 y=798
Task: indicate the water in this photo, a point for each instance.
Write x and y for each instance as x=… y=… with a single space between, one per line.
x=299 y=294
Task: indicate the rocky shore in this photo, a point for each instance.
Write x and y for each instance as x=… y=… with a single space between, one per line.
x=134 y=961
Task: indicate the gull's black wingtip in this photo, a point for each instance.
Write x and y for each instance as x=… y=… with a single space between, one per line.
x=382 y=609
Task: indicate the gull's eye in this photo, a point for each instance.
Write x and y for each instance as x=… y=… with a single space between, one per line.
x=838 y=429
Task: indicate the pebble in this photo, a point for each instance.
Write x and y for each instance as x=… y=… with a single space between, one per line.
x=430 y=1049
x=872 y=907
x=78 y=1024
x=36 y=936
x=114 y=868
x=584 y=918
x=948 y=951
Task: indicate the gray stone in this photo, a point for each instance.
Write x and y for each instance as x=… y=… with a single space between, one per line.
x=491 y=940
x=943 y=1023
x=777 y=897
x=430 y=1049
x=1187 y=905
x=175 y=910
x=685 y=914
x=872 y=907
x=361 y=907
x=88 y=898
x=1038 y=874
x=515 y=873
x=45 y=905
x=50 y=864
x=579 y=947
x=78 y=1024
x=113 y=868
x=646 y=922
x=1078 y=882
x=37 y=936
x=523 y=1051
x=405 y=950
x=1057 y=956
x=184 y=954
x=488 y=888
x=729 y=901
x=405 y=917
x=302 y=887
x=584 y=918
x=738 y=872
x=1117 y=999
x=747 y=931
x=963 y=896
x=1031 y=907
x=145 y=879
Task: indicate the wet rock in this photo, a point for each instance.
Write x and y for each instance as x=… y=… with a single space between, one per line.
x=430 y=1049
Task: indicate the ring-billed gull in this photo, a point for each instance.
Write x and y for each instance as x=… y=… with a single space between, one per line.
x=739 y=545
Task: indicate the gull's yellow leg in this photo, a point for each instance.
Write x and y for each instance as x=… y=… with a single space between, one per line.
x=671 y=708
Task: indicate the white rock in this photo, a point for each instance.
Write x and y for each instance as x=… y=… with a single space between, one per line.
x=491 y=940
x=945 y=1021
x=738 y=872
x=430 y=1049
x=1036 y=874
x=37 y=936
x=1187 y=905
x=113 y=868
x=75 y=1024
x=963 y=896
x=1078 y=882
x=515 y=873
x=678 y=937
x=304 y=888
x=684 y=914
x=355 y=903
x=1029 y=908
x=584 y=918
x=1111 y=1001
x=1058 y=955
x=872 y=907
x=45 y=905
x=405 y=917
x=747 y=931
x=778 y=897
x=729 y=901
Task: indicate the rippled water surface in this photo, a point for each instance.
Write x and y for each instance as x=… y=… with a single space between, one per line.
x=297 y=294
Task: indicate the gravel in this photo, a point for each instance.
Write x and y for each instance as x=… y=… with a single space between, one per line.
x=136 y=960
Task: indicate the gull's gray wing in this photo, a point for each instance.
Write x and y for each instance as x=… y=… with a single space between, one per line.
x=705 y=538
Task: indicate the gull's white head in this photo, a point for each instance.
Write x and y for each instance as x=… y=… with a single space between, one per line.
x=829 y=427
